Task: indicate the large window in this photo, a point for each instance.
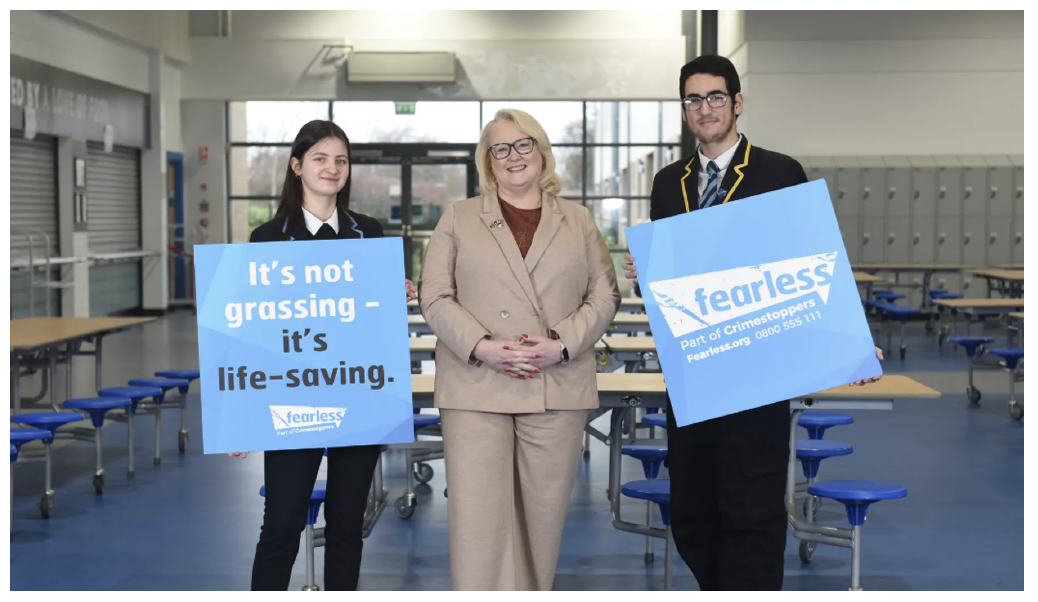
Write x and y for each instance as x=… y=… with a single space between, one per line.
x=606 y=153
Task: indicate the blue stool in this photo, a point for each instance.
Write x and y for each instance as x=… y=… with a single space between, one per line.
x=48 y=421
x=417 y=467
x=97 y=408
x=857 y=496
x=971 y=345
x=651 y=457
x=188 y=375
x=656 y=491
x=182 y=385
x=1011 y=356
x=901 y=313
x=19 y=437
x=316 y=499
x=659 y=420
x=135 y=395
x=811 y=452
x=887 y=296
x=816 y=423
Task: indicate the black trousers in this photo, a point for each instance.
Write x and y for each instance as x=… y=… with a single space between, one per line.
x=727 y=487
x=289 y=477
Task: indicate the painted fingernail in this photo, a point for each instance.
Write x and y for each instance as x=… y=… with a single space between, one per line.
x=508 y=369
x=505 y=362
x=526 y=336
x=537 y=371
x=538 y=357
x=531 y=376
x=506 y=347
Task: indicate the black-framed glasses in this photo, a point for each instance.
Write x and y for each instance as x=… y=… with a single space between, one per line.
x=716 y=101
x=523 y=146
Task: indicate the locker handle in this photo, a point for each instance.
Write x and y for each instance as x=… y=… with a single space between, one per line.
x=941 y=238
x=994 y=191
x=840 y=194
x=994 y=237
x=867 y=192
x=916 y=195
x=965 y=284
x=892 y=192
x=916 y=238
x=943 y=192
x=890 y=238
x=865 y=239
x=966 y=238
x=969 y=191
x=1019 y=237
x=1019 y=192
x=941 y=282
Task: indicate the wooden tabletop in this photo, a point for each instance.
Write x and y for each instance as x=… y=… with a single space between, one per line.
x=637 y=319
x=895 y=386
x=1019 y=315
x=908 y=267
x=1013 y=275
x=621 y=344
x=863 y=277
x=1008 y=266
x=980 y=303
x=31 y=333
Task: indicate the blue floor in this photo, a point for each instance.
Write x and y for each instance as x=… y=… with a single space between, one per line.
x=192 y=523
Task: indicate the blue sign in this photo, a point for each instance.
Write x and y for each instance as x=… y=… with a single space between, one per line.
x=752 y=302
x=303 y=345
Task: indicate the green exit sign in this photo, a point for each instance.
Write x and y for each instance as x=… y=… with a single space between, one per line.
x=405 y=108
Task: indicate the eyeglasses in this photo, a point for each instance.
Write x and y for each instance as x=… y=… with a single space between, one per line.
x=523 y=146
x=716 y=101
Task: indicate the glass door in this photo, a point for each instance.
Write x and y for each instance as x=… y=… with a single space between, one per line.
x=406 y=187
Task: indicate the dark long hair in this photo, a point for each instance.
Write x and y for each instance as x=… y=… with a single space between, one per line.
x=290 y=209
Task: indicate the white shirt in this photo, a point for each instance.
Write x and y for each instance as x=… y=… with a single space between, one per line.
x=313 y=224
x=722 y=162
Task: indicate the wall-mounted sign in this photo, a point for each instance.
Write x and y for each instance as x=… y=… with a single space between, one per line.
x=61 y=103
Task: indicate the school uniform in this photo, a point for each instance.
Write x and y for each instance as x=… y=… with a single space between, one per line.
x=728 y=474
x=289 y=475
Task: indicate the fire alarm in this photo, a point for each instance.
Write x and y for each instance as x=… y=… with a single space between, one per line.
x=203 y=153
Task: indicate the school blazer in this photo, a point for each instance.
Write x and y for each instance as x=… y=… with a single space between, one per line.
x=475 y=284
x=753 y=171
x=351 y=225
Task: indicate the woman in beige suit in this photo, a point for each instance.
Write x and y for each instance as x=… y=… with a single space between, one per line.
x=517 y=285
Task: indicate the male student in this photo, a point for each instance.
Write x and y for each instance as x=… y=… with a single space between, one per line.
x=728 y=474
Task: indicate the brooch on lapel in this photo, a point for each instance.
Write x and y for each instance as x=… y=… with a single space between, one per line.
x=496 y=224
x=721 y=193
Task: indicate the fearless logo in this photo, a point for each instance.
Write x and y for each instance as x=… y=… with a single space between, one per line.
x=691 y=303
x=303 y=419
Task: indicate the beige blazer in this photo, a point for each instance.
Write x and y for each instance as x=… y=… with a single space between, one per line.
x=475 y=284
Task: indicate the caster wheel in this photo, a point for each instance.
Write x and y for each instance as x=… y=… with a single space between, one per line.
x=982 y=350
x=903 y=349
x=807 y=550
x=814 y=513
x=182 y=441
x=405 y=507
x=99 y=484
x=424 y=474
x=1016 y=411
x=929 y=327
x=46 y=504
x=973 y=394
x=307 y=588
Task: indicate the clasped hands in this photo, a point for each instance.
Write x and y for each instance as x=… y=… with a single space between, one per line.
x=522 y=359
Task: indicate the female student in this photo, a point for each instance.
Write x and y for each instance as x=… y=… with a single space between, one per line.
x=313 y=206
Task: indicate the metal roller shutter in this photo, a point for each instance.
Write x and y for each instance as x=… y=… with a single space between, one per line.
x=114 y=224
x=34 y=206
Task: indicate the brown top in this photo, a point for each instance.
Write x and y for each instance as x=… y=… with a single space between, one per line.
x=522 y=223
x=31 y=333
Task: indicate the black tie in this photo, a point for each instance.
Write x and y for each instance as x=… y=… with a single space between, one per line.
x=325 y=233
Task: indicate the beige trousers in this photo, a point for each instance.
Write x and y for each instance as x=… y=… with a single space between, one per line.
x=509 y=480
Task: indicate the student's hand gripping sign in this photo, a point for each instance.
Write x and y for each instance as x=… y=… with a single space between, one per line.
x=752 y=302
x=303 y=345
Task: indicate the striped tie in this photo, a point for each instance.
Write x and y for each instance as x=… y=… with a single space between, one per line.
x=710 y=193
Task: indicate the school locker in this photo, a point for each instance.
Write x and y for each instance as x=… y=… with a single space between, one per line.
x=999 y=240
x=974 y=187
x=923 y=243
x=847 y=196
x=1018 y=209
x=873 y=178
x=872 y=240
x=897 y=190
x=823 y=168
x=949 y=187
x=949 y=240
x=851 y=232
x=1000 y=186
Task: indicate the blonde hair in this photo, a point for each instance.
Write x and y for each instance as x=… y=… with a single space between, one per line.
x=529 y=126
